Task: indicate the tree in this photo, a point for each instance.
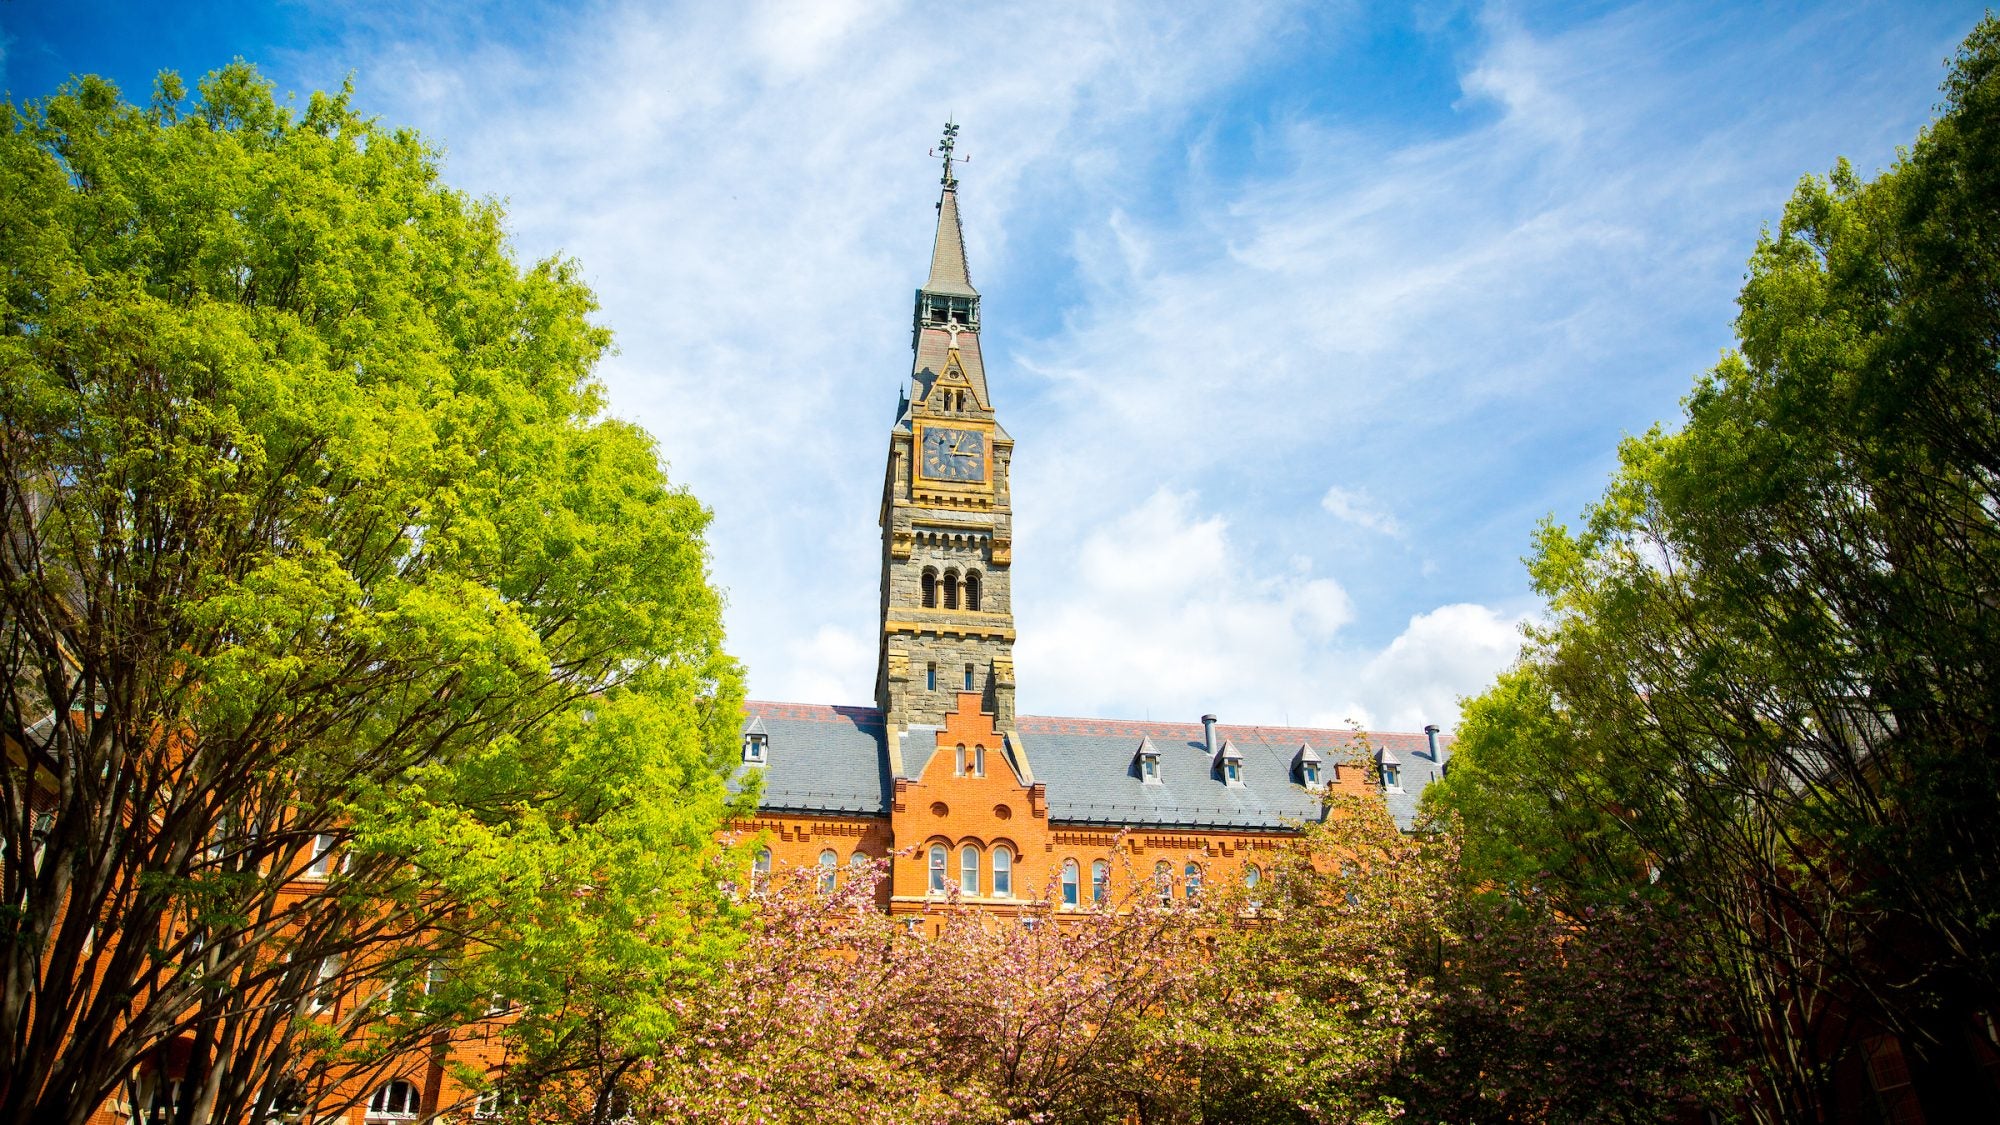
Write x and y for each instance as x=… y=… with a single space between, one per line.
x=1767 y=680
x=1370 y=983
x=833 y=1012
x=358 y=668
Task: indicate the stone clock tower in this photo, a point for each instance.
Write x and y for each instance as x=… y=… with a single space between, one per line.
x=947 y=524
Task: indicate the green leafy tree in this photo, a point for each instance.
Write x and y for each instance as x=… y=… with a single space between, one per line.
x=1365 y=982
x=1767 y=681
x=358 y=668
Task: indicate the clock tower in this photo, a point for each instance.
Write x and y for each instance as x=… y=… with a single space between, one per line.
x=947 y=523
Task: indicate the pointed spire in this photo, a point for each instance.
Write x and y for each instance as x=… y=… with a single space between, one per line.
x=948 y=273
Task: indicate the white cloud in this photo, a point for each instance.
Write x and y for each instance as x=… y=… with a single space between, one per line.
x=824 y=665
x=1442 y=656
x=1355 y=506
x=1164 y=616
x=1452 y=307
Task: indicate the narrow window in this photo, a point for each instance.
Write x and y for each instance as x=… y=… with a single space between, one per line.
x=1193 y=874
x=322 y=985
x=1392 y=777
x=972 y=589
x=937 y=869
x=1163 y=880
x=760 y=869
x=968 y=677
x=322 y=857
x=930 y=676
x=1070 y=890
x=979 y=761
x=930 y=588
x=1232 y=772
x=1100 y=882
x=1003 y=871
x=963 y=766
x=828 y=864
x=394 y=1101
x=968 y=869
x=951 y=589
x=490 y=1104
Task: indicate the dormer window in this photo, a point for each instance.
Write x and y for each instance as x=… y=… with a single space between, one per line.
x=755 y=742
x=1391 y=767
x=1308 y=763
x=1147 y=757
x=1229 y=762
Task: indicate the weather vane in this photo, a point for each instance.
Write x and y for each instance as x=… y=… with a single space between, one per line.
x=943 y=152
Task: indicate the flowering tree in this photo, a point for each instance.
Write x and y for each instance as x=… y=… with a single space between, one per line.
x=834 y=1012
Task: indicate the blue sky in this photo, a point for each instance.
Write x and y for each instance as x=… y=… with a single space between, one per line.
x=1301 y=315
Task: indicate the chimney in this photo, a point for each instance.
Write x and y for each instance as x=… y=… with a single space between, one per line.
x=1431 y=734
x=1208 y=733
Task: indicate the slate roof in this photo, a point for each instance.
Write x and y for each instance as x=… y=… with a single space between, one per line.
x=822 y=759
x=948 y=273
x=825 y=759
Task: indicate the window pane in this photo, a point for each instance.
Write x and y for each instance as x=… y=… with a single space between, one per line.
x=968 y=869
x=1003 y=872
x=1069 y=883
x=937 y=869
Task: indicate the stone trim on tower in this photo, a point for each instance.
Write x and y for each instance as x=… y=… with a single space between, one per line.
x=947 y=518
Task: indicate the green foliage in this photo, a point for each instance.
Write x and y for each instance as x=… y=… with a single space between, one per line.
x=1767 y=676
x=316 y=526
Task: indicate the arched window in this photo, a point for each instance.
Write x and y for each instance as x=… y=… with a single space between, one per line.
x=972 y=589
x=1070 y=889
x=963 y=766
x=1193 y=874
x=1003 y=871
x=1163 y=879
x=393 y=1101
x=828 y=865
x=937 y=869
x=979 y=761
x=930 y=588
x=857 y=861
x=1251 y=877
x=951 y=589
x=1100 y=882
x=760 y=869
x=968 y=869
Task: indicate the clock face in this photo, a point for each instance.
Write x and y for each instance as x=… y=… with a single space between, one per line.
x=950 y=454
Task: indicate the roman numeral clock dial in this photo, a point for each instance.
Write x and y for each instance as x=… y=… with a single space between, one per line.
x=952 y=454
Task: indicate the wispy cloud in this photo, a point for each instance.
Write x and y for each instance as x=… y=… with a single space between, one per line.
x=1354 y=506
x=1218 y=277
